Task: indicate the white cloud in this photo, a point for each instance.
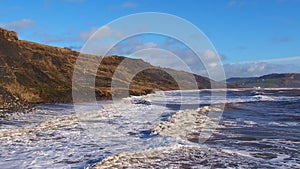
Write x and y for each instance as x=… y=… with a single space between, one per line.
x=87 y=34
x=256 y=67
x=178 y=51
x=209 y=54
x=18 y=25
x=211 y=60
x=131 y=45
x=171 y=54
x=162 y=58
x=263 y=67
x=146 y=46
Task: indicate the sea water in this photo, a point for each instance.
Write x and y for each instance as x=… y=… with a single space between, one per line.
x=259 y=128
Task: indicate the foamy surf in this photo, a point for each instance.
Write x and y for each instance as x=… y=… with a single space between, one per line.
x=253 y=132
x=180 y=156
x=188 y=124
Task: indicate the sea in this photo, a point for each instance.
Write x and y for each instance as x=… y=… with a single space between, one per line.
x=257 y=128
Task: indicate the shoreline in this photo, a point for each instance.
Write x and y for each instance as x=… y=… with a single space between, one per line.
x=12 y=103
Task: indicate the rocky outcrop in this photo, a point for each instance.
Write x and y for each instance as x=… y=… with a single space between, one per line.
x=10 y=103
x=8 y=35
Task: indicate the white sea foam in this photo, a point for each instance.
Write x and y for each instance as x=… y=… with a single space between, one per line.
x=199 y=97
x=191 y=124
x=55 y=137
x=176 y=156
x=251 y=123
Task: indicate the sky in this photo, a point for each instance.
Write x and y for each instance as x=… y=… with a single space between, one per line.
x=253 y=37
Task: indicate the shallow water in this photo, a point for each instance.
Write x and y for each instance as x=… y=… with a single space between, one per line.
x=262 y=125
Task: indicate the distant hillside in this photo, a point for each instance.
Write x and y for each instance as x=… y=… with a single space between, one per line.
x=39 y=73
x=240 y=79
x=287 y=80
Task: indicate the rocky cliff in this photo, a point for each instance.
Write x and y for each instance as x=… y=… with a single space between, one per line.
x=38 y=73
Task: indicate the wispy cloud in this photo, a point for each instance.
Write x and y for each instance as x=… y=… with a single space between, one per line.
x=236 y=3
x=75 y=1
x=129 y=5
x=47 y=38
x=18 y=25
x=61 y=38
x=169 y=53
x=263 y=67
x=281 y=39
x=103 y=32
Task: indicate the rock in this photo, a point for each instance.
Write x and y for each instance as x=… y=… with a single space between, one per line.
x=11 y=103
x=8 y=35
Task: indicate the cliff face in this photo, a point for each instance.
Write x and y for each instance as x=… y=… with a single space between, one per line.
x=35 y=72
x=39 y=73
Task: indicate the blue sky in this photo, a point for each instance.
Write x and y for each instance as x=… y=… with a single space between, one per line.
x=241 y=30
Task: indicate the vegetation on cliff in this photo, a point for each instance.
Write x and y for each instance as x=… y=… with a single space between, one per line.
x=38 y=73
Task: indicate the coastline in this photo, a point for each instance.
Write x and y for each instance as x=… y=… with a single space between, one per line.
x=11 y=103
